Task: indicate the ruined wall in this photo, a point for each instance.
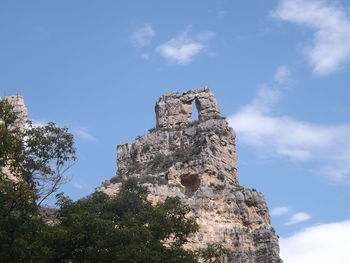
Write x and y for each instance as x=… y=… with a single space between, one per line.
x=197 y=161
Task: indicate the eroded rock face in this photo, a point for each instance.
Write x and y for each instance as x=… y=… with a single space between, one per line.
x=197 y=161
x=174 y=110
x=20 y=109
x=204 y=148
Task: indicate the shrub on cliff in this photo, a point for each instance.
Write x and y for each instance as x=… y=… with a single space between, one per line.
x=122 y=228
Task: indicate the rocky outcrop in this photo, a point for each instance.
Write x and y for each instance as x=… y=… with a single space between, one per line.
x=20 y=109
x=197 y=161
x=174 y=110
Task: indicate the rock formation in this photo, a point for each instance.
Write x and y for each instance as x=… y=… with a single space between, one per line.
x=19 y=108
x=21 y=111
x=197 y=161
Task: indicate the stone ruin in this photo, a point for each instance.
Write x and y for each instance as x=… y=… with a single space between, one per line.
x=197 y=161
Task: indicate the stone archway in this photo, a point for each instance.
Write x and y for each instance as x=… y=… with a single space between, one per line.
x=174 y=110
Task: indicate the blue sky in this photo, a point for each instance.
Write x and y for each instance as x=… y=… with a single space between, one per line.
x=279 y=70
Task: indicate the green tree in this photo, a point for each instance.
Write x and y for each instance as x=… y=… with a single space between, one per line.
x=48 y=153
x=39 y=155
x=32 y=163
x=11 y=144
x=123 y=228
x=20 y=222
x=99 y=228
x=213 y=253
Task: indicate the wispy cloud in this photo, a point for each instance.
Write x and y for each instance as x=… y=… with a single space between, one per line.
x=279 y=211
x=182 y=48
x=297 y=218
x=142 y=36
x=283 y=75
x=322 y=244
x=327 y=145
x=84 y=133
x=329 y=49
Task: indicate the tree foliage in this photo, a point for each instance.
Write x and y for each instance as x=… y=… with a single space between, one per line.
x=38 y=155
x=124 y=228
x=213 y=253
x=48 y=153
x=11 y=145
x=20 y=221
x=32 y=165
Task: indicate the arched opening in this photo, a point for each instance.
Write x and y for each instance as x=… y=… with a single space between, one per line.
x=194 y=111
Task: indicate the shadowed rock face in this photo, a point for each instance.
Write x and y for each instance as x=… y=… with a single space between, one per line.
x=197 y=161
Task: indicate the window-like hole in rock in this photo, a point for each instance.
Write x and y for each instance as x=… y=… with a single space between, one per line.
x=190 y=181
x=194 y=111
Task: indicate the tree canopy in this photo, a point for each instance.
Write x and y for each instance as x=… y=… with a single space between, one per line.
x=125 y=227
x=122 y=228
x=38 y=155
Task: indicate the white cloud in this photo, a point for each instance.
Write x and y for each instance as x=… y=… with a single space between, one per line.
x=327 y=145
x=279 y=211
x=84 y=133
x=283 y=75
x=183 y=48
x=297 y=218
x=143 y=36
x=322 y=244
x=330 y=46
x=298 y=140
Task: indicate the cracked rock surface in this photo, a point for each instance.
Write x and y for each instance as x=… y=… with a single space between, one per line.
x=197 y=161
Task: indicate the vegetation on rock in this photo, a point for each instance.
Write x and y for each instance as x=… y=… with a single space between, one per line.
x=37 y=155
x=99 y=228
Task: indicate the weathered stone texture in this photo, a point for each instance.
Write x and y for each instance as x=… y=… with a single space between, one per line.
x=19 y=107
x=197 y=161
x=202 y=148
x=174 y=110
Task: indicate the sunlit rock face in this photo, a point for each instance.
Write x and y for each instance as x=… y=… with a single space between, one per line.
x=197 y=161
x=21 y=111
x=19 y=108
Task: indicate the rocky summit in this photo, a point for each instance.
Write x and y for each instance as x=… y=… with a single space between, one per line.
x=197 y=161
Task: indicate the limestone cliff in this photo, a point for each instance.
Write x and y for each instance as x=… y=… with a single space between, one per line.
x=20 y=109
x=197 y=161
